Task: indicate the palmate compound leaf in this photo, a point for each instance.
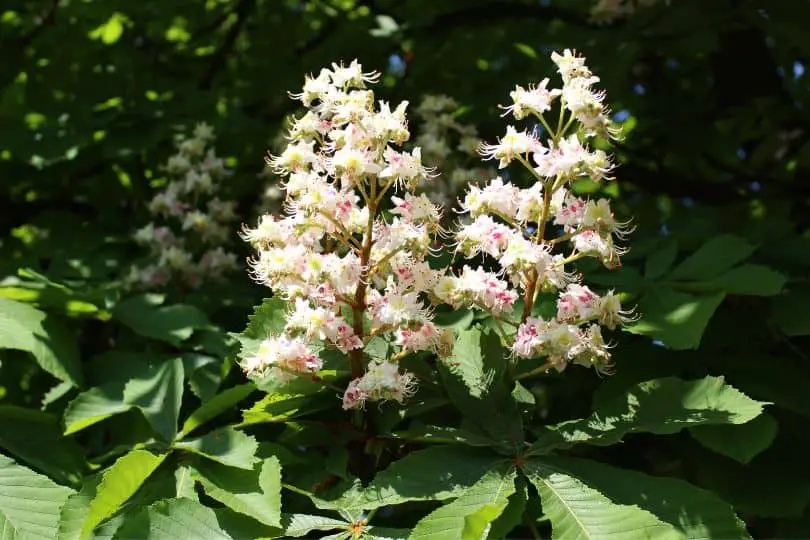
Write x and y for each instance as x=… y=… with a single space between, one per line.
x=118 y=484
x=173 y=519
x=29 y=503
x=470 y=516
x=26 y=328
x=255 y=493
x=660 y=406
x=586 y=499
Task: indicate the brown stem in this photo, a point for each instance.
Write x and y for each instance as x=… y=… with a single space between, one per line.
x=359 y=305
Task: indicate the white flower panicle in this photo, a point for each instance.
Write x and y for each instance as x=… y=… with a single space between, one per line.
x=349 y=252
x=189 y=243
x=509 y=224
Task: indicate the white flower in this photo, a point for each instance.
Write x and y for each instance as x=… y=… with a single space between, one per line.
x=535 y=100
x=382 y=382
x=283 y=358
x=514 y=143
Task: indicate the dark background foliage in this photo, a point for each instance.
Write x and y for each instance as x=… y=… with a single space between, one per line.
x=712 y=95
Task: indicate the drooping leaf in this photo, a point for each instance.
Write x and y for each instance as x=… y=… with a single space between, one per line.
x=742 y=442
x=184 y=481
x=473 y=379
x=296 y=399
x=36 y=438
x=239 y=526
x=386 y=533
x=226 y=445
x=660 y=406
x=218 y=404
x=29 y=503
x=751 y=279
x=470 y=515
x=675 y=318
x=713 y=258
x=173 y=519
x=73 y=512
x=661 y=259
x=578 y=511
x=512 y=515
x=26 y=328
x=146 y=315
x=433 y=474
x=298 y=525
x=255 y=493
x=204 y=373
x=790 y=312
x=588 y=499
x=93 y=406
x=159 y=396
x=118 y=484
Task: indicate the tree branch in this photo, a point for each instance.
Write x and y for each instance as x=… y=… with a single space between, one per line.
x=243 y=12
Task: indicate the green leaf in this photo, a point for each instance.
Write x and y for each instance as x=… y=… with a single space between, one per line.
x=240 y=526
x=675 y=318
x=269 y=318
x=255 y=493
x=713 y=258
x=578 y=511
x=441 y=434
x=298 y=525
x=791 y=314
x=587 y=499
x=173 y=519
x=512 y=515
x=386 y=533
x=29 y=503
x=118 y=484
x=661 y=259
x=470 y=515
x=297 y=398
x=223 y=402
x=204 y=374
x=36 y=438
x=93 y=406
x=527 y=50
x=432 y=474
x=741 y=443
x=172 y=324
x=227 y=446
x=661 y=406
x=751 y=279
x=184 y=483
x=159 y=396
x=28 y=329
x=73 y=512
x=473 y=379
